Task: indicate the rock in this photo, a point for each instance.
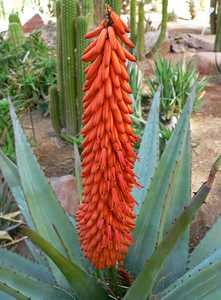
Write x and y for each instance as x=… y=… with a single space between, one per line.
x=34 y=23
x=207 y=63
x=150 y=40
x=66 y=190
x=181 y=43
x=204 y=43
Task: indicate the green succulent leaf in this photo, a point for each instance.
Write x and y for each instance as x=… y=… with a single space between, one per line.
x=202 y=282
x=6 y=296
x=20 y=264
x=144 y=283
x=11 y=175
x=207 y=246
x=148 y=155
x=84 y=286
x=48 y=216
x=179 y=195
x=154 y=213
x=12 y=293
x=28 y=288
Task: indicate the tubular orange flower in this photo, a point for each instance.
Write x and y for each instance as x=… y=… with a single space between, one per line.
x=105 y=218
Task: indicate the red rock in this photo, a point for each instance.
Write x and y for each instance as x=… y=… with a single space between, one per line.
x=66 y=190
x=207 y=62
x=34 y=23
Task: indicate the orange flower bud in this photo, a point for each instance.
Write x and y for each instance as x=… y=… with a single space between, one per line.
x=105 y=219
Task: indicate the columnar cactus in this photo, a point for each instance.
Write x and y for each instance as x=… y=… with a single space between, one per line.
x=163 y=27
x=133 y=14
x=70 y=69
x=54 y=108
x=60 y=79
x=218 y=31
x=15 y=32
x=115 y=4
x=140 y=31
x=88 y=10
x=106 y=217
x=68 y=15
x=82 y=24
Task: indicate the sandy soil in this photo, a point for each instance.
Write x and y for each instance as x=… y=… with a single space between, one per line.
x=55 y=156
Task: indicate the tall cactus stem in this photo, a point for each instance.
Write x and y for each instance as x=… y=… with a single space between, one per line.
x=82 y=27
x=54 y=109
x=133 y=14
x=68 y=15
x=163 y=27
x=14 y=18
x=60 y=79
x=116 y=5
x=218 y=31
x=140 y=31
x=88 y=10
x=16 y=35
x=213 y=16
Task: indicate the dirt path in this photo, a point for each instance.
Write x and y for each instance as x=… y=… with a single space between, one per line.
x=55 y=156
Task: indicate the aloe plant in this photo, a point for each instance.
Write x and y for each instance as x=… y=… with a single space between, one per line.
x=159 y=258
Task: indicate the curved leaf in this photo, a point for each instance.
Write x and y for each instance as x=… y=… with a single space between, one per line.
x=6 y=296
x=148 y=155
x=11 y=175
x=143 y=285
x=151 y=221
x=12 y=293
x=84 y=286
x=179 y=195
x=20 y=264
x=207 y=246
x=48 y=216
x=29 y=287
x=202 y=282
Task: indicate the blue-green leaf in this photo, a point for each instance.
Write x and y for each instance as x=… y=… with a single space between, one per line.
x=20 y=264
x=148 y=155
x=12 y=293
x=11 y=175
x=179 y=195
x=202 y=282
x=29 y=287
x=48 y=216
x=150 y=225
x=6 y=296
x=84 y=286
x=145 y=281
x=207 y=246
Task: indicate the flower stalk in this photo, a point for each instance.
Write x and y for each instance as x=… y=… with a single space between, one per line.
x=106 y=216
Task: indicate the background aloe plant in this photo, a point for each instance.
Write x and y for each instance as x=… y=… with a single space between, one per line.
x=159 y=258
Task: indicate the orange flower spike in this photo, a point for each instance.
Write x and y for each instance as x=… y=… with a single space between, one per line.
x=105 y=219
